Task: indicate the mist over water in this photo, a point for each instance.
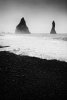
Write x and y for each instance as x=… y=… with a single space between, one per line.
x=39 y=15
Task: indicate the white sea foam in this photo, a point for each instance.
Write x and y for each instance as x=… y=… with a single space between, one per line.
x=42 y=46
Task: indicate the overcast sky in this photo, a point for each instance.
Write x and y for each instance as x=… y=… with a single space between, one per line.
x=38 y=15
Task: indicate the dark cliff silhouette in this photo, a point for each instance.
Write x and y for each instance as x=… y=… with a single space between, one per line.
x=22 y=27
x=53 y=28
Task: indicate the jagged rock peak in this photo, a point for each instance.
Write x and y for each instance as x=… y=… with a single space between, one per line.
x=53 y=28
x=22 y=27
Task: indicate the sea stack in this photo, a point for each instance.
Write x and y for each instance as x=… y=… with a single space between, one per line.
x=53 y=28
x=22 y=27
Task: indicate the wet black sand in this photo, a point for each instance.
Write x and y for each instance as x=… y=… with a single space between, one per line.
x=4 y=46
x=23 y=77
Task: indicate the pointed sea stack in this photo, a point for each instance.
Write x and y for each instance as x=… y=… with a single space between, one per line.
x=53 y=28
x=22 y=27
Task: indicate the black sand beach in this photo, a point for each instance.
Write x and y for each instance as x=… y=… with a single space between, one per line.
x=24 y=77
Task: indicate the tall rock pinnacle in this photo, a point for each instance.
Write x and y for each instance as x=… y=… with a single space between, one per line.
x=22 y=27
x=53 y=28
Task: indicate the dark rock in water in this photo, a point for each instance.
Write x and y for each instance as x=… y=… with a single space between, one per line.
x=53 y=28
x=22 y=27
x=4 y=46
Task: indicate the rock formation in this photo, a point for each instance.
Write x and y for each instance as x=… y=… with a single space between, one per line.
x=22 y=27
x=53 y=28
